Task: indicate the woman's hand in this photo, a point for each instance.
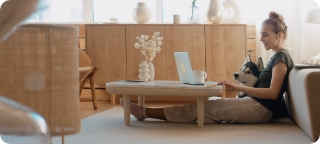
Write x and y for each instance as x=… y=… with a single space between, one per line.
x=231 y=85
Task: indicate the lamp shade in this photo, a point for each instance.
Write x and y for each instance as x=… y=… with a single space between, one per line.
x=39 y=69
x=313 y=16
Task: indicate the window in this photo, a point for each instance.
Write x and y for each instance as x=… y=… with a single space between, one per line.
x=103 y=10
x=60 y=11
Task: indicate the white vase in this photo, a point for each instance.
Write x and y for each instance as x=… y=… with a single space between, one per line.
x=232 y=13
x=215 y=12
x=144 y=76
x=142 y=14
x=151 y=72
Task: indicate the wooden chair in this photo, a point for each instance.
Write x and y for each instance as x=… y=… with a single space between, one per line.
x=86 y=72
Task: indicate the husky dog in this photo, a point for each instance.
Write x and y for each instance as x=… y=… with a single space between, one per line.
x=248 y=74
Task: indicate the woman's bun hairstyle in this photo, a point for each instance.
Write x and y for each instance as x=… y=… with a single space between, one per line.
x=277 y=22
x=275 y=15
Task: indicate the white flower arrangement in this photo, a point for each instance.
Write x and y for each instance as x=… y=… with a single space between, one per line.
x=149 y=48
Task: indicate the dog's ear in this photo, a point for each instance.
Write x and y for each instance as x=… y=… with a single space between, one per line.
x=248 y=59
x=259 y=64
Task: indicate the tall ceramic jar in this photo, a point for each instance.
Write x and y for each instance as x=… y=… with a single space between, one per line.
x=215 y=12
x=142 y=14
x=144 y=76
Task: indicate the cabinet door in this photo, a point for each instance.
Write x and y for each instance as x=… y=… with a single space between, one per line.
x=134 y=56
x=184 y=39
x=106 y=49
x=225 y=50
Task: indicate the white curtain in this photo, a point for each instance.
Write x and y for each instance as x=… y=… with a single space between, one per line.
x=303 y=39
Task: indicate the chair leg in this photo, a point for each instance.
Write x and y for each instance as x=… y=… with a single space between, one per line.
x=81 y=87
x=91 y=79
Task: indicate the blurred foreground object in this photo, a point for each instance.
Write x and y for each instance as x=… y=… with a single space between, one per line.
x=14 y=13
x=20 y=120
x=39 y=69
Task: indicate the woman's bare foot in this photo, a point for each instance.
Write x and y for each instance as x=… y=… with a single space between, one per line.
x=136 y=110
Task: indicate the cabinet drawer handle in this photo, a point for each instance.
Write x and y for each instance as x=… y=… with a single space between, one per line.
x=249 y=50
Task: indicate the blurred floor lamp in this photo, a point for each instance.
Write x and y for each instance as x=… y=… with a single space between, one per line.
x=313 y=16
x=39 y=69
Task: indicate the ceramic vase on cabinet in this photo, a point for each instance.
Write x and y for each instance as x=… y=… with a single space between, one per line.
x=142 y=14
x=232 y=13
x=144 y=76
x=215 y=12
x=151 y=71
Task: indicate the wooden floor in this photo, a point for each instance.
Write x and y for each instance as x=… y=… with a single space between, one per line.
x=86 y=108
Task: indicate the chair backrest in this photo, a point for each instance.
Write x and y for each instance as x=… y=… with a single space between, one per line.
x=84 y=60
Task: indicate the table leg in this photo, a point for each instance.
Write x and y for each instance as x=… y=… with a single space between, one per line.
x=141 y=100
x=113 y=99
x=200 y=110
x=127 y=107
x=224 y=92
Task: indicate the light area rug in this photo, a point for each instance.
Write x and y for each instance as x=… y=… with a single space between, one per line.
x=108 y=128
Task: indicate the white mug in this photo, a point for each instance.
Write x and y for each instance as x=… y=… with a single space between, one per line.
x=176 y=19
x=199 y=76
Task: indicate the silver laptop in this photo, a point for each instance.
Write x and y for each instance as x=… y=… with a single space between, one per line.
x=183 y=65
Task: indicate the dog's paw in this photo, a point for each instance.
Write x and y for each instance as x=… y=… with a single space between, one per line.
x=241 y=94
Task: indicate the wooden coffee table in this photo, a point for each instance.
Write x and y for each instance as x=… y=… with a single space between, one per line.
x=161 y=88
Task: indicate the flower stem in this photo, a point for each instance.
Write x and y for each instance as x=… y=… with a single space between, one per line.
x=193 y=4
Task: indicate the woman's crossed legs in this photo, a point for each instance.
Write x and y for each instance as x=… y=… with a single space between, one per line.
x=233 y=110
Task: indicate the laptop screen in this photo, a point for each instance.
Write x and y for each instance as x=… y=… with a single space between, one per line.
x=183 y=65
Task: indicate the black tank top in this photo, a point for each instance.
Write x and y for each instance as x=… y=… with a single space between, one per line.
x=265 y=80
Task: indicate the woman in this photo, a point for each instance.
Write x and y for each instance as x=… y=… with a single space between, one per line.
x=260 y=104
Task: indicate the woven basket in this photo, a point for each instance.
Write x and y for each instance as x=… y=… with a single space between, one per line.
x=39 y=69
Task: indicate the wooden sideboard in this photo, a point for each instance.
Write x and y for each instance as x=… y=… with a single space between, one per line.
x=251 y=43
x=218 y=49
